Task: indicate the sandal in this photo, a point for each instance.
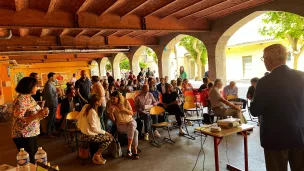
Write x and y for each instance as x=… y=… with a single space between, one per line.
x=135 y=156
x=129 y=154
x=98 y=160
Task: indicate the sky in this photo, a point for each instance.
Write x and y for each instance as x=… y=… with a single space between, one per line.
x=248 y=33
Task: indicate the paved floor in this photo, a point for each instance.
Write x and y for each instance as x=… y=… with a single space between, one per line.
x=177 y=157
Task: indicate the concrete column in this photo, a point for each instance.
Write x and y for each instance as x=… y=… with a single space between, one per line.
x=102 y=64
x=159 y=50
x=135 y=64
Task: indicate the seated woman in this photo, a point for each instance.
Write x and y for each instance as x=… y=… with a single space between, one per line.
x=176 y=89
x=153 y=90
x=143 y=99
x=186 y=86
x=170 y=102
x=120 y=111
x=88 y=122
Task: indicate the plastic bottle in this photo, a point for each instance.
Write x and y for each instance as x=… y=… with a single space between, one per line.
x=23 y=160
x=41 y=156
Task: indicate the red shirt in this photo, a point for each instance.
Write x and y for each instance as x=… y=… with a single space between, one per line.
x=205 y=97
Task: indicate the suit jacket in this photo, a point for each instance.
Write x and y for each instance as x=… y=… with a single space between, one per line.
x=50 y=95
x=65 y=105
x=279 y=101
x=160 y=89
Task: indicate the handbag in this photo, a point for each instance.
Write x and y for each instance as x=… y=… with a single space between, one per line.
x=115 y=149
x=84 y=151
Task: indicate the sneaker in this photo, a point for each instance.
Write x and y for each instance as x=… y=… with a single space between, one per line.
x=181 y=131
x=146 y=136
x=156 y=134
x=190 y=123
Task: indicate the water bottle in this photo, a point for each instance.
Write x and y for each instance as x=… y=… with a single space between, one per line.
x=41 y=156
x=23 y=160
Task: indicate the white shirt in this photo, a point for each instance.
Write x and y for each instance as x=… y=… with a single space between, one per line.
x=73 y=80
x=90 y=124
x=215 y=96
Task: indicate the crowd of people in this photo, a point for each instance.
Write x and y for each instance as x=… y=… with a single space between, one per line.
x=93 y=97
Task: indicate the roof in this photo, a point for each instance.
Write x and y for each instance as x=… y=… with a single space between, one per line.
x=253 y=42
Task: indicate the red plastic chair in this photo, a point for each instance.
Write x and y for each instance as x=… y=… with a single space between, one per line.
x=58 y=115
x=131 y=101
x=188 y=93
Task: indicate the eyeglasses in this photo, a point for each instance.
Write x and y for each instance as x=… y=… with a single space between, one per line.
x=262 y=59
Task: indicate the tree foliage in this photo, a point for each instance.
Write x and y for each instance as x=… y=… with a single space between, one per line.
x=150 y=52
x=195 y=47
x=143 y=65
x=108 y=67
x=124 y=64
x=288 y=26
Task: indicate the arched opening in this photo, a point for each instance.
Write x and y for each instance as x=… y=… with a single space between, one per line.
x=145 y=58
x=243 y=51
x=121 y=65
x=186 y=51
x=105 y=66
x=94 y=68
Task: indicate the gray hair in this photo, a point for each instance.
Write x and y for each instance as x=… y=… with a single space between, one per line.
x=278 y=52
x=217 y=81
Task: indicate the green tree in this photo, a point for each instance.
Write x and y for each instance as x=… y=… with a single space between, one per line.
x=150 y=52
x=284 y=25
x=124 y=64
x=108 y=67
x=197 y=50
x=143 y=65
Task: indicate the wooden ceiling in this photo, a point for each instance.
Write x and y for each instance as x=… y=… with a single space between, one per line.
x=50 y=25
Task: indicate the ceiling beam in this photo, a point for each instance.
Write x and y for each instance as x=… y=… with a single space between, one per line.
x=99 y=33
x=45 y=32
x=184 y=9
x=24 y=32
x=111 y=7
x=141 y=5
x=85 y=6
x=128 y=33
x=21 y=4
x=141 y=34
x=153 y=12
x=52 y=6
x=206 y=9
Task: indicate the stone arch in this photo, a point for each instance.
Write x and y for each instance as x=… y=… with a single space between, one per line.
x=168 y=63
x=104 y=61
x=115 y=66
x=94 y=68
x=136 y=59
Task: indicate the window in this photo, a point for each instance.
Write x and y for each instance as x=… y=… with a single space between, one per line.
x=247 y=66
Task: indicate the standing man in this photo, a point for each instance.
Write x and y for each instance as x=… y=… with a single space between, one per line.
x=83 y=87
x=279 y=102
x=50 y=96
x=111 y=80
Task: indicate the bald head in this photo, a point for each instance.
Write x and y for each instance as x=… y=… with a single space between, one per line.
x=274 y=55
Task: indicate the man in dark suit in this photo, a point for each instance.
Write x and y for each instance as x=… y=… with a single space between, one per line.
x=69 y=104
x=279 y=102
x=162 y=87
x=50 y=96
